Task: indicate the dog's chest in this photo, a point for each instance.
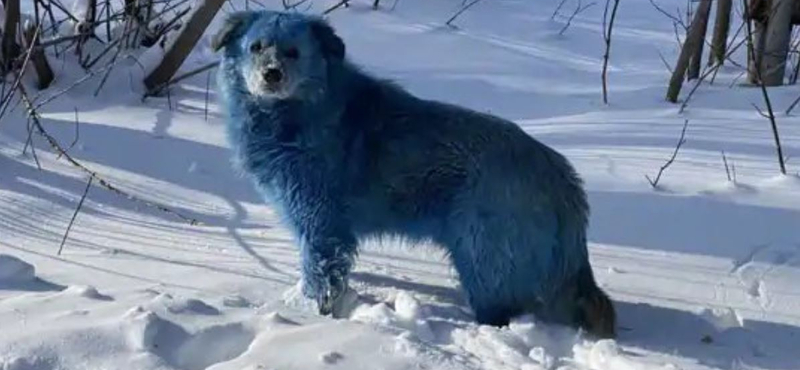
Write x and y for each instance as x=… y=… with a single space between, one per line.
x=284 y=146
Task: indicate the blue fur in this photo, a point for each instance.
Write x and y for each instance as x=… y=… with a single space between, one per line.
x=348 y=156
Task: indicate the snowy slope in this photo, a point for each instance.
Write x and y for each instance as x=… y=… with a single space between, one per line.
x=703 y=271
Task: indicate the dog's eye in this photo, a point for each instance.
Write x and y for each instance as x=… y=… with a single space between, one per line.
x=292 y=53
x=255 y=47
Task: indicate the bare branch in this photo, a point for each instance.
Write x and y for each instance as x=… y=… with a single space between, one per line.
x=555 y=12
x=727 y=169
x=675 y=20
x=107 y=73
x=77 y=131
x=74 y=215
x=681 y=141
x=157 y=90
x=578 y=9
x=666 y=64
x=29 y=144
x=607 y=38
x=792 y=106
x=335 y=6
x=287 y=5
x=205 y=107
x=462 y=10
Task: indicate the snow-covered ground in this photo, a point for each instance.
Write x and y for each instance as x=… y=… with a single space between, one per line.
x=703 y=271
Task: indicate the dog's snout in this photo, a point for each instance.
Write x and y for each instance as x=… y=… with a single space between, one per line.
x=273 y=75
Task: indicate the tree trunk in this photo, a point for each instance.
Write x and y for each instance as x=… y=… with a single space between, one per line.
x=183 y=43
x=778 y=37
x=722 y=25
x=10 y=48
x=700 y=21
x=38 y=57
x=694 y=37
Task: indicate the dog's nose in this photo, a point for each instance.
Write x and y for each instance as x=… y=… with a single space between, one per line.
x=273 y=75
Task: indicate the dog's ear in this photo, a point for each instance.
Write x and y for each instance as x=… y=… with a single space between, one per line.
x=233 y=26
x=332 y=46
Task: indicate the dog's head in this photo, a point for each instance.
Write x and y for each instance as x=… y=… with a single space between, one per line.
x=279 y=55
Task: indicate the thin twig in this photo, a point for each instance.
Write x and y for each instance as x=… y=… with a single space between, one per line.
x=59 y=40
x=792 y=106
x=64 y=10
x=208 y=82
x=74 y=215
x=29 y=144
x=675 y=20
x=555 y=12
x=607 y=38
x=770 y=113
x=102 y=53
x=335 y=6
x=462 y=10
x=579 y=9
x=289 y=6
x=77 y=131
x=180 y=78
x=677 y=35
x=727 y=169
x=170 y=25
x=736 y=79
x=666 y=64
x=681 y=141
x=107 y=73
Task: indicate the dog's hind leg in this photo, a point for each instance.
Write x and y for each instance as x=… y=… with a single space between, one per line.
x=499 y=272
x=504 y=260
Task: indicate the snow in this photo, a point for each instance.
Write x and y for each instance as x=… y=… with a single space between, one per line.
x=703 y=271
x=15 y=270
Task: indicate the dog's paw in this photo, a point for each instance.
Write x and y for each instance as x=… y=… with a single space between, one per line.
x=330 y=297
x=326 y=290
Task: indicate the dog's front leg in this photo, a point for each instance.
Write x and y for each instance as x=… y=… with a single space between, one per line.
x=328 y=250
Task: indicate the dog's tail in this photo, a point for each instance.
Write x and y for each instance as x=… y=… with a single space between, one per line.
x=596 y=313
x=593 y=310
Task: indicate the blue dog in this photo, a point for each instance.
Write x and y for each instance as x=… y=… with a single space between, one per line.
x=345 y=156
